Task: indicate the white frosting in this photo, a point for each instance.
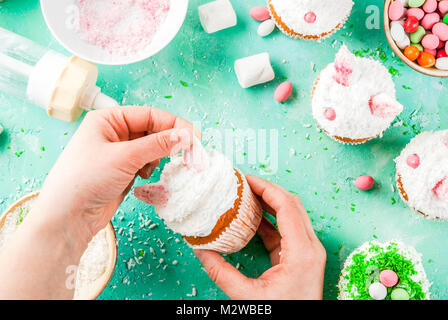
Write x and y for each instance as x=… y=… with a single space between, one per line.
x=329 y=14
x=418 y=183
x=354 y=119
x=407 y=251
x=197 y=198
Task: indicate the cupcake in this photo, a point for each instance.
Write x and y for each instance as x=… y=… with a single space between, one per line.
x=309 y=19
x=353 y=99
x=97 y=263
x=207 y=201
x=383 y=271
x=422 y=174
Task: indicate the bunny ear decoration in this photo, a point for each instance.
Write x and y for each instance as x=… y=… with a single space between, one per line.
x=384 y=106
x=441 y=189
x=153 y=194
x=196 y=157
x=343 y=67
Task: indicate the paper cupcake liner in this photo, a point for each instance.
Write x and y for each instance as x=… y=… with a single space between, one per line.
x=342 y=140
x=298 y=36
x=404 y=196
x=243 y=221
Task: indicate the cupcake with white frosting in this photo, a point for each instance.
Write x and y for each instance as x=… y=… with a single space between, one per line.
x=422 y=174
x=353 y=99
x=309 y=19
x=383 y=271
x=207 y=201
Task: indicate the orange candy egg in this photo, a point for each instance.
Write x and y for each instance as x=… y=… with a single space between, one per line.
x=426 y=60
x=412 y=53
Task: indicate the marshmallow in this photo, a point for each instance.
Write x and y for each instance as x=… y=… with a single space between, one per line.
x=254 y=70
x=217 y=15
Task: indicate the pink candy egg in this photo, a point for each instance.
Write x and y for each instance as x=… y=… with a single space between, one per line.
x=430 y=20
x=364 y=183
x=283 y=91
x=430 y=6
x=441 y=30
x=443 y=7
x=413 y=161
x=431 y=51
x=396 y=10
x=415 y=12
x=430 y=41
x=388 y=278
x=260 y=13
x=330 y=114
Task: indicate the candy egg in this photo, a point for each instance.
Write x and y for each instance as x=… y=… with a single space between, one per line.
x=430 y=6
x=417 y=36
x=445 y=19
x=413 y=161
x=266 y=28
x=442 y=63
x=396 y=10
x=430 y=20
x=431 y=51
x=441 y=31
x=418 y=46
x=416 y=3
x=377 y=291
x=330 y=114
x=283 y=91
x=430 y=41
x=399 y=294
x=364 y=183
x=426 y=60
x=388 y=278
x=411 y=24
x=397 y=31
x=412 y=52
x=260 y=13
x=443 y=7
x=415 y=12
x=441 y=54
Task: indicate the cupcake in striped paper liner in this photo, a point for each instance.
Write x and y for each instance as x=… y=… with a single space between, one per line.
x=309 y=19
x=422 y=174
x=207 y=201
x=353 y=99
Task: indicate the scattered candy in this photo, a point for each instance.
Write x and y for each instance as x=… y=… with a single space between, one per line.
x=412 y=52
x=217 y=15
x=260 y=13
x=377 y=291
x=266 y=28
x=399 y=294
x=396 y=10
x=364 y=183
x=413 y=161
x=283 y=91
x=426 y=60
x=254 y=70
x=442 y=63
x=388 y=278
x=330 y=114
x=310 y=17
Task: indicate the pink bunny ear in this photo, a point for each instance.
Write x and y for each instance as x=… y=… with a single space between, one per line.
x=153 y=194
x=196 y=157
x=441 y=189
x=343 y=67
x=382 y=105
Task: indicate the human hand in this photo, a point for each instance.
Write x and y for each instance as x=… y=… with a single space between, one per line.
x=97 y=168
x=297 y=256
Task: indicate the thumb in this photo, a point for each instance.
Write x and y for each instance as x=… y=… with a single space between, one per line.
x=158 y=145
x=226 y=276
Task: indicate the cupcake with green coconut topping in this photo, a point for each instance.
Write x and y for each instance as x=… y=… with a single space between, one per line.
x=383 y=271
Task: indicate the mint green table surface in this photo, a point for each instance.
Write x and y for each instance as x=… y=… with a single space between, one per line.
x=318 y=169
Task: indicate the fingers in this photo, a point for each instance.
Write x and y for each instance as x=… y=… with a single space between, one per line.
x=148 y=169
x=226 y=276
x=155 y=146
x=269 y=235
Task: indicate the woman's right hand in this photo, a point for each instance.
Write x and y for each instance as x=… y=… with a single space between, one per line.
x=297 y=256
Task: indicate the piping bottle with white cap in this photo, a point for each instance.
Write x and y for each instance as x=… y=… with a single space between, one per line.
x=64 y=86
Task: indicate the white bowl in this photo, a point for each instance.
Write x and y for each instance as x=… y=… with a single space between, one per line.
x=59 y=15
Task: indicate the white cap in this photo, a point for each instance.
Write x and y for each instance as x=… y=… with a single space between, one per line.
x=93 y=98
x=103 y=101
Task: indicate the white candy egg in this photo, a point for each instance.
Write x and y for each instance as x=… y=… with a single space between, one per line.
x=397 y=31
x=442 y=63
x=266 y=28
x=377 y=291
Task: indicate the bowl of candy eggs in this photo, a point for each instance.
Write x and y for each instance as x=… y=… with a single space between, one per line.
x=417 y=31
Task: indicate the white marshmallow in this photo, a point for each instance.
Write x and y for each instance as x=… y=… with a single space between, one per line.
x=266 y=28
x=254 y=70
x=217 y=15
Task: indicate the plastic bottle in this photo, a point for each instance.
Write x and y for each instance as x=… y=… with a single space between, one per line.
x=64 y=86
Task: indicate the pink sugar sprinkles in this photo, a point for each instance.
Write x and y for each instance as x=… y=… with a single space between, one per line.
x=121 y=27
